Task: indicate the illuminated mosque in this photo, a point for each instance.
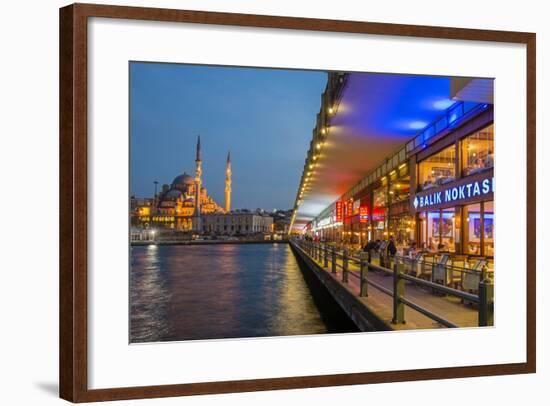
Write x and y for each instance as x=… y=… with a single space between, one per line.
x=180 y=205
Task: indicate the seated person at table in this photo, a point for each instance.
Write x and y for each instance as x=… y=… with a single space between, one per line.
x=429 y=182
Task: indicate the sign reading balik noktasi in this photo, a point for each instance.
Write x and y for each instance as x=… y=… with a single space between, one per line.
x=455 y=192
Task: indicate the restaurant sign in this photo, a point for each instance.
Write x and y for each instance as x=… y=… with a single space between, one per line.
x=455 y=193
x=363 y=214
x=339 y=211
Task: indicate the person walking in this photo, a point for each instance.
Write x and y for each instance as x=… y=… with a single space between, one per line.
x=391 y=248
x=371 y=245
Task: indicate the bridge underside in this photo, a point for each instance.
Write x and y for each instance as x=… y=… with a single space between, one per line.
x=375 y=116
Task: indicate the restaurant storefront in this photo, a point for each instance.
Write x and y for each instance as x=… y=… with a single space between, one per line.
x=385 y=210
x=453 y=204
x=436 y=197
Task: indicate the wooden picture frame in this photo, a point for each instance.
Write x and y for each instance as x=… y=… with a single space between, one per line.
x=74 y=201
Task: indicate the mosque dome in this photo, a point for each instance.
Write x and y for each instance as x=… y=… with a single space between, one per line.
x=173 y=194
x=184 y=179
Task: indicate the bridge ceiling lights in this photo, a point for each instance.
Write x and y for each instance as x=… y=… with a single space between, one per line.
x=372 y=116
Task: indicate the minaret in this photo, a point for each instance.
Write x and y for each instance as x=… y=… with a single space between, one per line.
x=198 y=182
x=228 y=183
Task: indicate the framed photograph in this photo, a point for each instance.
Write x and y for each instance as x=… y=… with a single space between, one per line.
x=446 y=227
x=254 y=202
x=488 y=227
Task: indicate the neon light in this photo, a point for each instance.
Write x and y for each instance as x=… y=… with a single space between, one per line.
x=363 y=214
x=443 y=104
x=417 y=125
x=339 y=211
x=455 y=193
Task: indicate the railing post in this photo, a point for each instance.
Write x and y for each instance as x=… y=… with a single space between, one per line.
x=486 y=296
x=345 y=263
x=325 y=256
x=319 y=251
x=333 y=260
x=398 y=293
x=363 y=291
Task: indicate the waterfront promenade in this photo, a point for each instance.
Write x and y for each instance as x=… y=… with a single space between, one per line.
x=380 y=300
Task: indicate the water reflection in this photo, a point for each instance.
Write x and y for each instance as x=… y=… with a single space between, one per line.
x=225 y=291
x=149 y=296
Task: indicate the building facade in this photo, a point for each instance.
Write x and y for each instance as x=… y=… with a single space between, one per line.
x=237 y=223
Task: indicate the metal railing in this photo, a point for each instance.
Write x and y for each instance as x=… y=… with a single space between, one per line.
x=448 y=274
x=328 y=257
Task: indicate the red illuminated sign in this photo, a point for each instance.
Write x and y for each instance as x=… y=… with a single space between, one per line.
x=339 y=211
x=363 y=214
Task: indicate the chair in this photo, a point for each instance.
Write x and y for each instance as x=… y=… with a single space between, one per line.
x=470 y=281
x=458 y=263
x=427 y=265
x=472 y=277
x=440 y=270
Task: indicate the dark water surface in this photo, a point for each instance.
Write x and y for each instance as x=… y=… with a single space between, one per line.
x=226 y=291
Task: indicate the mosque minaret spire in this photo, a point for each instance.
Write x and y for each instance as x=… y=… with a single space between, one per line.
x=228 y=183
x=198 y=183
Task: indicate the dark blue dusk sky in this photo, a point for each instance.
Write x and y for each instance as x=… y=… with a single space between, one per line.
x=264 y=116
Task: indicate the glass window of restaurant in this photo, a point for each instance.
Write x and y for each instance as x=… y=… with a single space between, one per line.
x=379 y=212
x=466 y=229
x=479 y=224
x=401 y=226
x=401 y=223
x=438 y=169
x=439 y=229
x=400 y=185
x=477 y=151
x=489 y=229
x=472 y=234
x=448 y=233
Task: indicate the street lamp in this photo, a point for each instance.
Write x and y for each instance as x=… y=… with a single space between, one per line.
x=155 y=196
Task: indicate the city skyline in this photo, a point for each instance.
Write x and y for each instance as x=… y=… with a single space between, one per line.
x=263 y=116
